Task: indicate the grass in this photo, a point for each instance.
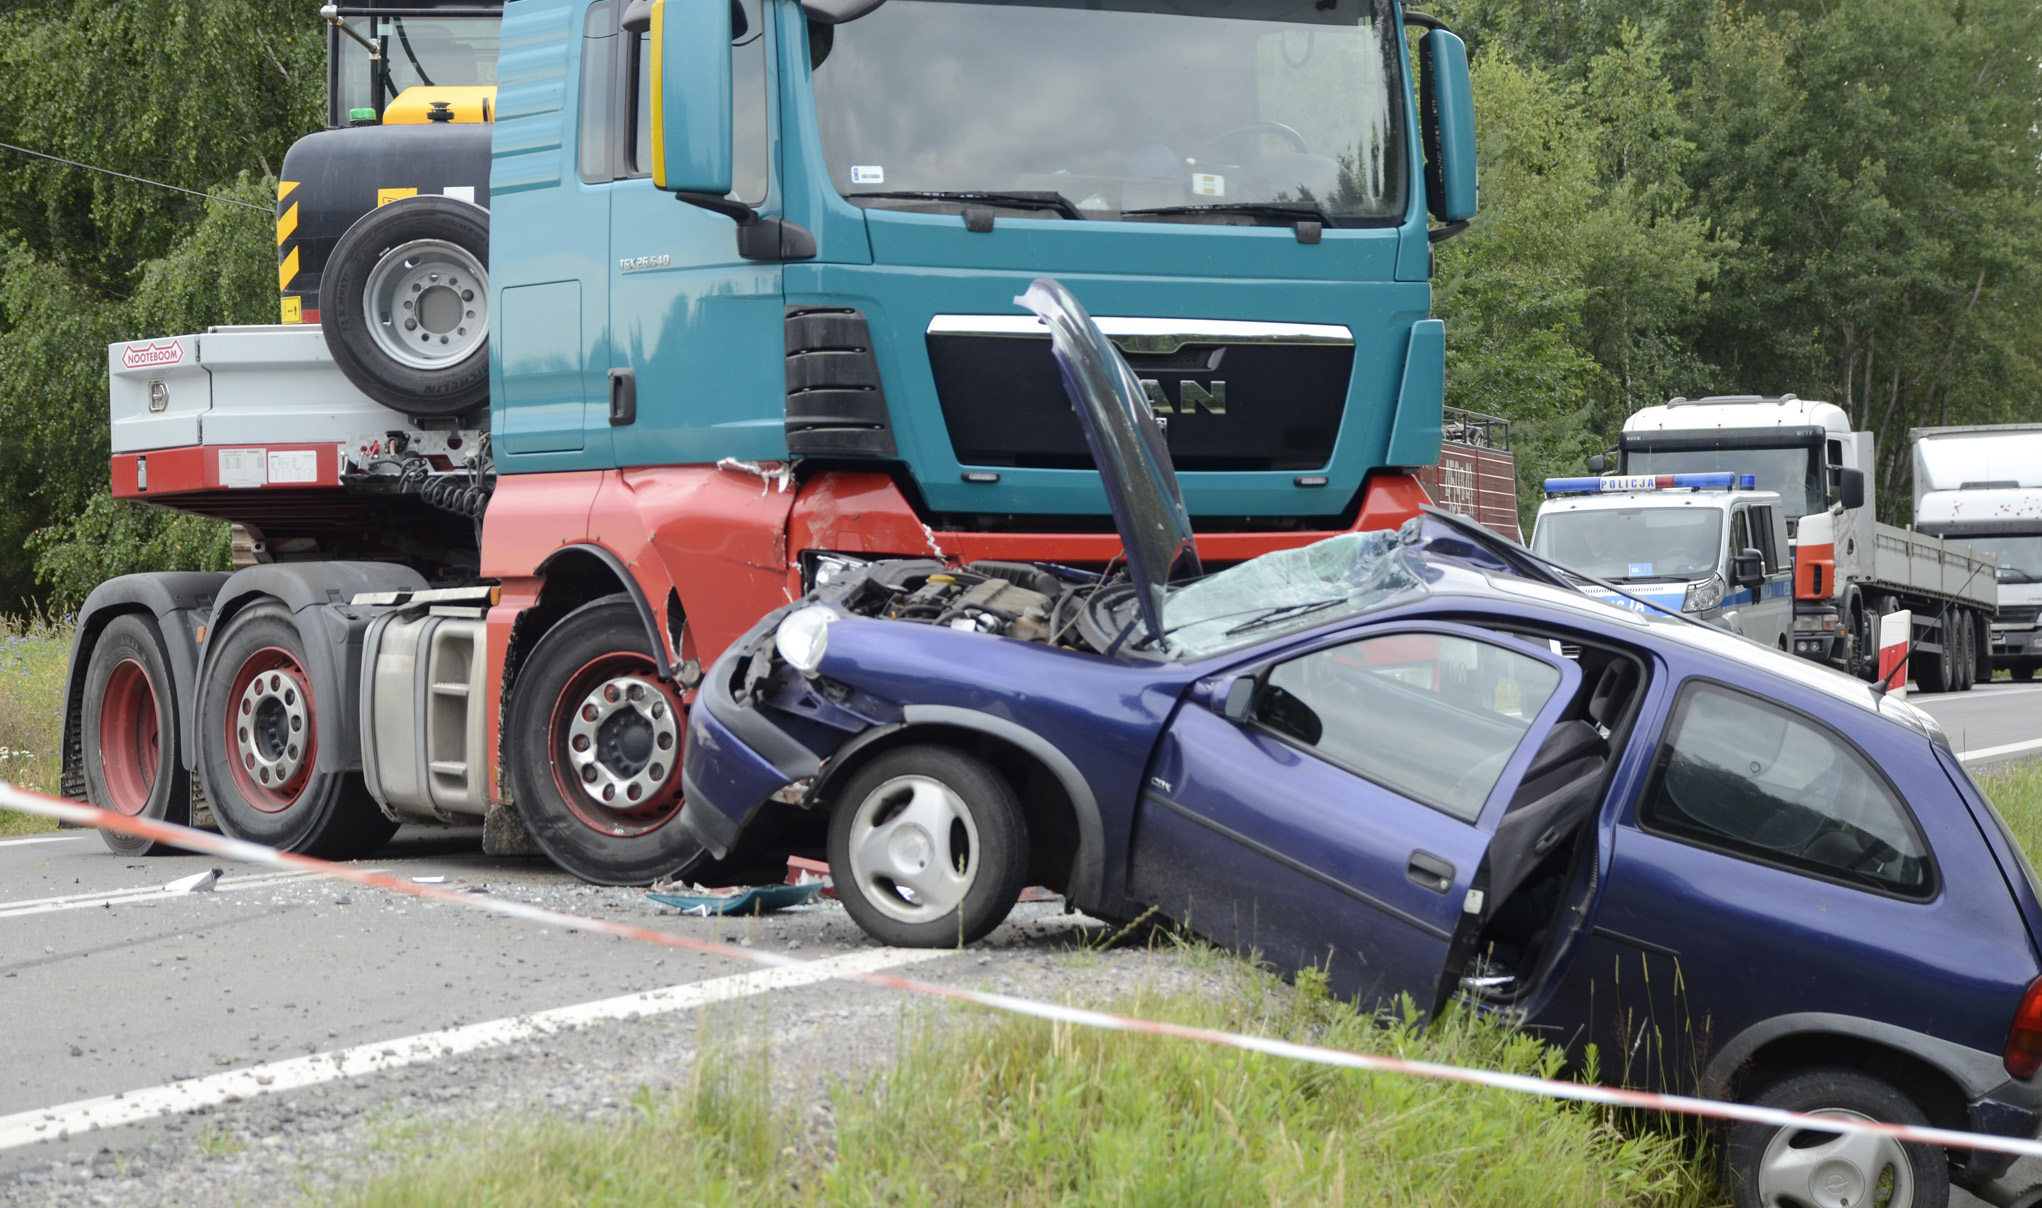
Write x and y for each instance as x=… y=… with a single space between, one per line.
x=2016 y=789
x=33 y=655
x=999 y=1109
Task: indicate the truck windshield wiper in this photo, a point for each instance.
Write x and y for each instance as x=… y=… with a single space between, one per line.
x=1291 y=210
x=1028 y=200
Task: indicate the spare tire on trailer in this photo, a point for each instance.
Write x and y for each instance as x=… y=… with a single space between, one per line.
x=405 y=305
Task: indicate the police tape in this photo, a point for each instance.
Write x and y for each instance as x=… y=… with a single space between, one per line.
x=29 y=802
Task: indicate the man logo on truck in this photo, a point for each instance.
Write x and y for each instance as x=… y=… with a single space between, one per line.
x=1190 y=396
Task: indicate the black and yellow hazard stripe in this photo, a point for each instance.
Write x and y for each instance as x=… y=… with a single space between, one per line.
x=287 y=252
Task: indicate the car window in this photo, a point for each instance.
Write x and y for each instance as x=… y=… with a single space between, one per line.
x=1740 y=533
x=1759 y=780
x=1762 y=536
x=1432 y=716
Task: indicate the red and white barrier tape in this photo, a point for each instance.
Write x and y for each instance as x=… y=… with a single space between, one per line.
x=27 y=802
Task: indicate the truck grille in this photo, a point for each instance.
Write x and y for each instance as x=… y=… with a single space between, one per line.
x=2018 y=614
x=1231 y=395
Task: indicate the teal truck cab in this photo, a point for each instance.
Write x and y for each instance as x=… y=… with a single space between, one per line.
x=634 y=317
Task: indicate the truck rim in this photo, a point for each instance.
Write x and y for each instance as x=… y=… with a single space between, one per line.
x=427 y=303
x=270 y=729
x=617 y=734
x=129 y=737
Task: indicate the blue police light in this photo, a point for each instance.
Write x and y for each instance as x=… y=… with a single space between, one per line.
x=1724 y=481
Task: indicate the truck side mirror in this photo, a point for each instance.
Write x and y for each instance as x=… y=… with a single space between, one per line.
x=692 y=122
x=1748 y=568
x=1851 y=488
x=1447 y=119
x=1597 y=464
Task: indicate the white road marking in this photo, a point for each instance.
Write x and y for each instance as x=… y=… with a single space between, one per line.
x=59 y=1122
x=41 y=839
x=144 y=893
x=2012 y=748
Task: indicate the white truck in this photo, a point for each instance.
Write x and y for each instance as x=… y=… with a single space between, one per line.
x=1983 y=485
x=1849 y=570
x=1708 y=545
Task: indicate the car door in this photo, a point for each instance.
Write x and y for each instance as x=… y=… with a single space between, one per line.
x=1336 y=819
x=1775 y=597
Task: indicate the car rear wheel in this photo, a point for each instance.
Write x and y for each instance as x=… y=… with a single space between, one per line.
x=1771 y=1167
x=260 y=728
x=928 y=848
x=594 y=746
x=129 y=731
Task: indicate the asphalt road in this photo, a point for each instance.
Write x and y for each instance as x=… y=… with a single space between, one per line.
x=1992 y=723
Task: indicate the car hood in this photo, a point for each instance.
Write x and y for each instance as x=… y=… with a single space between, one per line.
x=1127 y=446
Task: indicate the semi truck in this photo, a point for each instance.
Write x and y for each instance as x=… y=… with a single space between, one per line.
x=1849 y=569
x=1982 y=484
x=607 y=326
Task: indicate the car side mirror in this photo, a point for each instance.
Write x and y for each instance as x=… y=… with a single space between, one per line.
x=1239 y=702
x=1447 y=120
x=1748 y=568
x=1851 y=488
x=692 y=122
x=1597 y=464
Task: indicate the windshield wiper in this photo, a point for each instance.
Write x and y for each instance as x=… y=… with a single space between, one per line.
x=1284 y=612
x=1028 y=200
x=1292 y=210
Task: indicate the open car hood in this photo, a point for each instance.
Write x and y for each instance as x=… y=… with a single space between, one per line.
x=1127 y=446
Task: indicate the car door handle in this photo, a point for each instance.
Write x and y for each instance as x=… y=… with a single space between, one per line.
x=1430 y=871
x=623 y=397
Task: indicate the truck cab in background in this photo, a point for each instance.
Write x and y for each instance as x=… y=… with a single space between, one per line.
x=1708 y=545
x=1849 y=570
x=1982 y=485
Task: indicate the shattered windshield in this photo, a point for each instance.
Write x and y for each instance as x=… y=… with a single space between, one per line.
x=1111 y=109
x=1288 y=590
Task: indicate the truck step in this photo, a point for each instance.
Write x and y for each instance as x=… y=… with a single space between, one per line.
x=448 y=767
x=450 y=689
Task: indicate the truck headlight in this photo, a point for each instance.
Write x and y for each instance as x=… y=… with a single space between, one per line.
x=802 y=637
x=1704 y=595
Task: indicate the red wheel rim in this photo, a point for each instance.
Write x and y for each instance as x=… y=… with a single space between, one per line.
x=271 y=738
x=130 y=739
x=617 y=817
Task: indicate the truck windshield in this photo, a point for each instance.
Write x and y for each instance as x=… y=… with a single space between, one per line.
x=1795 y=472
x=434 y=51
x=2020 y=555
x=1099 y=109
x=1634 y=543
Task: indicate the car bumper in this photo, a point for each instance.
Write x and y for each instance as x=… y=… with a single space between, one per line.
x=2013 y=1109
x=2016 y=643
x=737 y=759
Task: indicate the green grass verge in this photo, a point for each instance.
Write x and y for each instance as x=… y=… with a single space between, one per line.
x=32 y=660
x=999 y=1109
x=2016 y=789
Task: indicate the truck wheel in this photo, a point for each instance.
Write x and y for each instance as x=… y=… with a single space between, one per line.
x=1933 y=670
x=928 y=848
x=1967 y=651
x=405 y=305
x=259 y=732
x=129 y=726
x=1768 y=1166
x=594 y=748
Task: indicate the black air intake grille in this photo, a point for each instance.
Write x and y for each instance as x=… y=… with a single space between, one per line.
x=835 y=404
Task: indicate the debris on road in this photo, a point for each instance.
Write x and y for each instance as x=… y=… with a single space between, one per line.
x=757 y=899
x=198 y=882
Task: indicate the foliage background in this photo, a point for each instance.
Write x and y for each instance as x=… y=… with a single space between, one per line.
x=1837 y=199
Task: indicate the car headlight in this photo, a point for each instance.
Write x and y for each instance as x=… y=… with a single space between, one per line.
x=1703 y=595
x=802 y=637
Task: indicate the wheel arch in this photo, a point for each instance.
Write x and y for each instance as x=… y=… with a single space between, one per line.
x=319 y=597
x=1051 y=788
x=179 y=602
x=1941 y=1077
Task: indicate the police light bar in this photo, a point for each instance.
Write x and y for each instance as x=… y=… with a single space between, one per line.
x=1724 y=481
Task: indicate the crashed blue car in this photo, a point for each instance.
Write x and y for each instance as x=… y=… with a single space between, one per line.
x=1431 y=764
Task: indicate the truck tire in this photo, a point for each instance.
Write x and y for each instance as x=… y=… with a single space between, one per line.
x=1935 y=670
x=594 y=743
x=128 y=723
x=1967 y=650
x=259 y=733
x=1768 y=1165
x=405 y=305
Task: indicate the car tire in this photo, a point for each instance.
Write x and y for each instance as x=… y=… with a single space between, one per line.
x=1766 y=1166
x=909 y=813
x=128 y=728
x=422 y=261
x=260 y=727
x=588 y=714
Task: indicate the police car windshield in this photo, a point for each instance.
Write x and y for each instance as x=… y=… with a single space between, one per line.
x=1634 y=544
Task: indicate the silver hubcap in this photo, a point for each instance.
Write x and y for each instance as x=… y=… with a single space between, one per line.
x=428 y=303
x=270 y=728
x=1803 y=1168
x=622 y=742
x=914 y=849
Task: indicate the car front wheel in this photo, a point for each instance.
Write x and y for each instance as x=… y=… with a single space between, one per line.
x=928 y=848
x=1771 y=1167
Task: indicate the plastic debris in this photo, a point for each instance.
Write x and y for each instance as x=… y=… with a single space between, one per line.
x=704 y=902
x=804 y=871
x=198 y=882
x=428 y=880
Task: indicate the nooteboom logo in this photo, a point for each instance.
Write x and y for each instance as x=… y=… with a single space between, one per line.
x=162 y=352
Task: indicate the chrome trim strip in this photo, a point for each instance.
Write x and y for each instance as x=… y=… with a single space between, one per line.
x=1151 y=335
